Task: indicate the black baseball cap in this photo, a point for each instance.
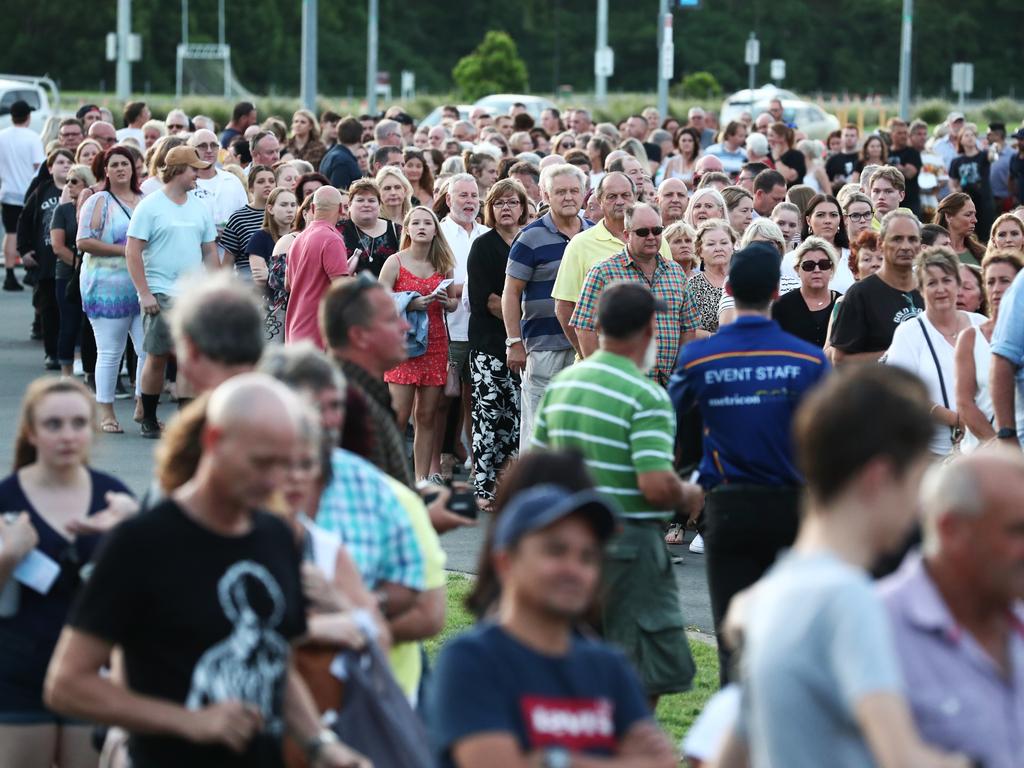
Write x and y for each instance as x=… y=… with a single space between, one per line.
x=1019 y=135
x=543 y=505
x=20 y=110
x=625 y=308
x=754 y=273
x=85 y=109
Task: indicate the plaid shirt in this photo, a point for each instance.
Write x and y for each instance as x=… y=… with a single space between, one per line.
x=667 y=283
x=360 y=506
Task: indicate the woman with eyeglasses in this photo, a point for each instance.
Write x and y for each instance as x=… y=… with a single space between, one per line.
x=54 y=506
x=805 y=313
x=63 y=235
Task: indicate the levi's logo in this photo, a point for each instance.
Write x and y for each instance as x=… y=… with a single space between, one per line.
x=576 y=724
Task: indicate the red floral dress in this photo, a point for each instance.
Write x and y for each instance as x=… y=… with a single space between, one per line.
x=431 y=368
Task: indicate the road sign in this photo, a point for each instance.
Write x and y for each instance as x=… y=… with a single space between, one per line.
x=604 y=62
x=753 y=53
x=134 y=47
x=111 y=46
x=408 y=84
x=778 y=69
x=963 y=77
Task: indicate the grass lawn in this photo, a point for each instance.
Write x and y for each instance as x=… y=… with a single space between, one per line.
x=675 y=713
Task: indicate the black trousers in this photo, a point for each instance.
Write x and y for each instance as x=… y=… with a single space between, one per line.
x=745 y=528
x=44 y=299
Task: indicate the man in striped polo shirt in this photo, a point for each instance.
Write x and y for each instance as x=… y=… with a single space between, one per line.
x=536 y=344
x=623 y=424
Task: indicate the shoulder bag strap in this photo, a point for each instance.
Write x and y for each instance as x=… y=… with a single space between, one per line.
x=935 y=359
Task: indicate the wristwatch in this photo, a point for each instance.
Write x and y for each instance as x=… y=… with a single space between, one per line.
x=557 y=757
x=511 y=342
x=315 y=745
x=1006 y=433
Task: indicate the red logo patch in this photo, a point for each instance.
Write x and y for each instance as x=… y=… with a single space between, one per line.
x=576 y=724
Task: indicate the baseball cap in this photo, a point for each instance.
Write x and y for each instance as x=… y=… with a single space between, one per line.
x=543 y=505
x=754 y=273
x=1019 y=135
x=625 y=308
x=952 y=117
x=185 y=156
x=20 y=110
x=85 y=109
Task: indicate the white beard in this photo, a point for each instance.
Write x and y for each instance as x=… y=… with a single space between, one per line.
x=650 y=355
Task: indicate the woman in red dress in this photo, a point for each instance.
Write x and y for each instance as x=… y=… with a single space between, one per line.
x=424 y=260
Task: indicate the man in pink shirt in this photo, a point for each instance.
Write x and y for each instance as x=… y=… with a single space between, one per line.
x=317 y=257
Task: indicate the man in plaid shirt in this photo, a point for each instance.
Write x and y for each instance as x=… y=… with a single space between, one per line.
x=641 y=262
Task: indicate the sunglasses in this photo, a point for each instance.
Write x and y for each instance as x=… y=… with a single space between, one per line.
x=809 y=266
x=648 y=231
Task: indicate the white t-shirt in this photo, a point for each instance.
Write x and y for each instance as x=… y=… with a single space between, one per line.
x=910 y=351
x=133 y=133
x=460 y=241
x=222 y=195
x=21 y=154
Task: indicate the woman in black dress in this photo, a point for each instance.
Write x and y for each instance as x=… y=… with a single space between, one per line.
x=788 y=160
x=374 y=238
x=805 y=313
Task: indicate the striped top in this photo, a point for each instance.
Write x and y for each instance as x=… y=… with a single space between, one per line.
x=621 y=421
x=235 y=237
x=534 y=258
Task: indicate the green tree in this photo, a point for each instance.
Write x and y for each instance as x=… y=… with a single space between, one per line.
x=700 y=85
x=494 y=67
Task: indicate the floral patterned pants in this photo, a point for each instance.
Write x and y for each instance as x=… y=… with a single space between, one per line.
x=496 y=393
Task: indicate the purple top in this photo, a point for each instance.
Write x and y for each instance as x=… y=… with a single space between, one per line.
x=961 y=700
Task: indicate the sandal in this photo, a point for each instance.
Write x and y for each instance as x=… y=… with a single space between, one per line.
x=111 y=427
x=674 y=535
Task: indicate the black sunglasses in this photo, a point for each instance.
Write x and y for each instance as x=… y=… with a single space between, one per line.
x=809 y=266
x=647 y=231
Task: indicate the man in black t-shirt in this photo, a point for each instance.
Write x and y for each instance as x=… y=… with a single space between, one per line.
x=873 y=307
x=908 y=160
x=203 y=596
x=842 y=164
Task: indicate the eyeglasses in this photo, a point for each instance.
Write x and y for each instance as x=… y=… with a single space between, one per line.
x=809 y=266
x=171 y=127
x=208 y=147
x=859 y=216
x=648 y=231
x=506 y=203
x=70 y=134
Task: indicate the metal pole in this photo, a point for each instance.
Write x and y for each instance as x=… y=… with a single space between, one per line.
x=309 y=54
x=220 y=22
x=124 y=67
x=601 y=79
x=662 y=80
x=371 y=58
x=184 y=22
x=908 y=34
x=751 y=75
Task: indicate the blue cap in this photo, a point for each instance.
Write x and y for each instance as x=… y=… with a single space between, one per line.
x=543 y=505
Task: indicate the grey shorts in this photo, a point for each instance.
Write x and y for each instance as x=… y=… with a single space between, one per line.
x=458 y=353
x=157 y=339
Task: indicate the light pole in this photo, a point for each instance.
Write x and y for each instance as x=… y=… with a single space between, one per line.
x=666 y=52
x=124 y=66
x=600 y=64
x=309 y=54
x=371 y=58
x=905 y=42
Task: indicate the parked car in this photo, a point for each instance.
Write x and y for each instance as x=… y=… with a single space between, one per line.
x=805 y=115
x=435 y=116
x=499 y=103
x=39 y=92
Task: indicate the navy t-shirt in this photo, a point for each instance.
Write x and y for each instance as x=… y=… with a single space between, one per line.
x=486 y=681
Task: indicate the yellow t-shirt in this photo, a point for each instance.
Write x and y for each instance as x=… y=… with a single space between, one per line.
x=584 y=251
x=406 y=661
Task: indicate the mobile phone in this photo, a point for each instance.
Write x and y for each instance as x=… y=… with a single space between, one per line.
x=463 y=502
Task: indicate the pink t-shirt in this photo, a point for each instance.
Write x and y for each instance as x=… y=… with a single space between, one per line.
x=317 y=257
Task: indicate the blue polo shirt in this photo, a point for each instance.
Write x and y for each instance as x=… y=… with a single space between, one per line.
x=747 y=380
x=534 y=258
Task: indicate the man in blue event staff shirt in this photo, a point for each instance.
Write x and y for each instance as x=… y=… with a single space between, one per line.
x=747 y=381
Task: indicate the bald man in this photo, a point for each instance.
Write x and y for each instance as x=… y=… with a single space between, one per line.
x=672 y=198
x=958 y=611
x=104 y=133
x=317 y=257
x=221 y=192
x=210 y=670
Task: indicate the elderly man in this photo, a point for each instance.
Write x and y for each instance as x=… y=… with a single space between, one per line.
x=220 y=191
x=177 y=122
x=640 y=261
x=958 y=612
x=265 y=148
x=536 y=343
x=317 y=257
x=104 y=133
x=697 y=120
x=672 y=198
x=388 y=133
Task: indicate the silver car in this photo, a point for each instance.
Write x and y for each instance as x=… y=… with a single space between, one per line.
x=808 y=117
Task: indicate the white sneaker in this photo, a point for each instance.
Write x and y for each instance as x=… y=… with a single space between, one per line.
x=697 y=545
x=77 y=369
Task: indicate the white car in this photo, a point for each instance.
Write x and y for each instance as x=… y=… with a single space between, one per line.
x=36 y=91
x=805 y=115
x=499 y=103
x=435 y=115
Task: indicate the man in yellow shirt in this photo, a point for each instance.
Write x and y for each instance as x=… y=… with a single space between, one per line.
x=615 y=193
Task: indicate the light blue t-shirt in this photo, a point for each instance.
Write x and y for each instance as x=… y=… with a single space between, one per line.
x=174 y=236
x=818 y=641
x=1008 y=340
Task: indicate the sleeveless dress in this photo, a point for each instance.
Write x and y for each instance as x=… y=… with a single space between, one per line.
x=431 y=368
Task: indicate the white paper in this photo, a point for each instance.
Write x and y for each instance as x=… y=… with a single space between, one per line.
x=443 y=285
x=37 y=571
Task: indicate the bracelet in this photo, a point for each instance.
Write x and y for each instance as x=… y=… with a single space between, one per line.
x=932 y=410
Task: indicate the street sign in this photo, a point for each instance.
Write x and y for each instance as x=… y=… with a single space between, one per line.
x=111 y=46
x=604 y=62
x=963 y=77
x=134 y=47
x=778 y=69
x=753 y=53
x=408 y=84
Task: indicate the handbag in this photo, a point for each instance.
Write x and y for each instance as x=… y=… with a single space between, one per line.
x=956 y=434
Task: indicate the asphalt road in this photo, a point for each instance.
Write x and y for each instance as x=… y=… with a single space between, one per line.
x=130 y=458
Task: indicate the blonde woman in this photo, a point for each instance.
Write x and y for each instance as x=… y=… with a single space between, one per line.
x=715 y=242
x=739 y=204
x=304 y=143
x=705 y=203
x=1007 y=234
x=805 y=313
x=421 y=265
x=395 y=193
x=680 y=236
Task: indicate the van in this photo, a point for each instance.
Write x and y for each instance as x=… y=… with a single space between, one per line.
x=39 y=92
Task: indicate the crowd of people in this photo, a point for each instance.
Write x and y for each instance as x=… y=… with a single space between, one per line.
x=634 y=339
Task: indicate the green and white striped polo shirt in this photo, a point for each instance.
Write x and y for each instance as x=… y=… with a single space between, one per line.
x=621 y=421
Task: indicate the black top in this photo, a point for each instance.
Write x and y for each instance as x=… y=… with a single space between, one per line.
x=794 y=158
x=486 y=275
x=909 y=156
x=794 y=316
x=841 y=164
x=34 y=226
x=869 y=314
x=374 y=250
x=340 y=166
x=202 y=618
x=65 y=218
